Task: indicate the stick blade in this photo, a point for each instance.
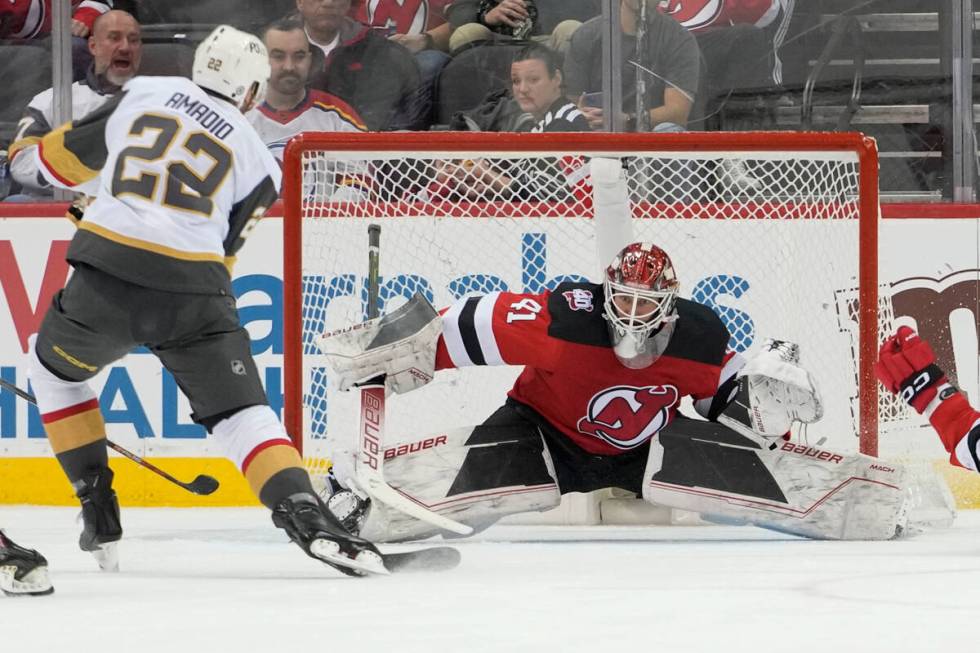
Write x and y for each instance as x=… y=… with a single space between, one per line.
x=438 y=558
x=203 y=484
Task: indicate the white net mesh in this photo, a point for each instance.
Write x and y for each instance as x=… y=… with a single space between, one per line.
x=769 y=240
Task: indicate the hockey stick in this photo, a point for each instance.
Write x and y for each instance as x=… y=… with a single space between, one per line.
x=371 y=452
x=203 y=484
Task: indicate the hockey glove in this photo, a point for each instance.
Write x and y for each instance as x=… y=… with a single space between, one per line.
x=76 y=211
x=907 y=367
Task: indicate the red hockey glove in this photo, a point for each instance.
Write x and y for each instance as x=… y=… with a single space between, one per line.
x=907 y=367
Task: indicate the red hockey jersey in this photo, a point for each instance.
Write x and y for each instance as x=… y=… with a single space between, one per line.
x=696 y=15
x=404 y=16
x=28 y=19
x=571 y=376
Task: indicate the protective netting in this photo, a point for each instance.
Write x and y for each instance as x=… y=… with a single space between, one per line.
x=769 y=240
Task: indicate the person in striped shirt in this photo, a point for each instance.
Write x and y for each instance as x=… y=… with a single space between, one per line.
x=538 y=88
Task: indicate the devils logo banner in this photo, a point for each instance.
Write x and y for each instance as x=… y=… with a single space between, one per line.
x=626 y=417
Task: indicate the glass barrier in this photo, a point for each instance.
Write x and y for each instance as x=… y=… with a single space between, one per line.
x=26 y=108
x=884 y=68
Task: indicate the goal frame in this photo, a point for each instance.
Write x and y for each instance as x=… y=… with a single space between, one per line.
x=863 y=146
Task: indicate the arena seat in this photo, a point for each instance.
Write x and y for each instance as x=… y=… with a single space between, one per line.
x=27 y=71
x=881 y=68
x=471 y=74
x=171 y=59
x=244 y=14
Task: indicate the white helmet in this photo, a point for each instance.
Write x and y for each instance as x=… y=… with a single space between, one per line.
x=229 y=62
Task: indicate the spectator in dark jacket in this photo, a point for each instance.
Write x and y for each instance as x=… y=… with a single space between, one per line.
x=376 y=76
x=420 y=26
x=671 y=55
x=551 y=22
x=536 y=86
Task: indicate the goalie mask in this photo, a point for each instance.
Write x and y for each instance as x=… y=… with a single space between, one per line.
x=640 y=292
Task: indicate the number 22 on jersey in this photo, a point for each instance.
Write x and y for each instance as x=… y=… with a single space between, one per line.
x=183 y=188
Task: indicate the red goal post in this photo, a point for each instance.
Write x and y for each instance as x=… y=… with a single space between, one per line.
x=738 y=212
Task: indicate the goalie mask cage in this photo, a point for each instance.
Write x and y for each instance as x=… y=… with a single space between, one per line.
x=777 y=232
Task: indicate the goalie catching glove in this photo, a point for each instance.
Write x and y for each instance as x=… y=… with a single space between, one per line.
x=400 y=345
x=773 y=392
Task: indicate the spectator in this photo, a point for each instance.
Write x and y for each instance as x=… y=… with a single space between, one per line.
x=116 y=48
x=536 y=81
x=290 y=108
x=671 y=54
x=30 y=19
x=536 y=84
x=367 y=70
x=551 y=22
x=740 y=39
x=420 y=26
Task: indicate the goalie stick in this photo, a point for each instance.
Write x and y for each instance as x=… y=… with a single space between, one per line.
x=368 y=467
x=203 y=484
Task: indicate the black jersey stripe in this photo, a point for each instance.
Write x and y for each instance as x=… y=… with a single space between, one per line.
x=467 y=331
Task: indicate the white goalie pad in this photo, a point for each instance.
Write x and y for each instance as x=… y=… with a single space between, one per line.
x=792 y=488
x=779 y=390
x=458 y=475
x=401 y=345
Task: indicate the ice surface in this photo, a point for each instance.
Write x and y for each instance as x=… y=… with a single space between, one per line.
x=225 y=580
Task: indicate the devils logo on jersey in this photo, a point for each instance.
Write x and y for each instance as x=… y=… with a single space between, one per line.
x=407 y=16
x=625 y=416
x=698 y=14
x=692 y=13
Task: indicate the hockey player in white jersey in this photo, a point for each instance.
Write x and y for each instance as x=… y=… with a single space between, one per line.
x=184 y=179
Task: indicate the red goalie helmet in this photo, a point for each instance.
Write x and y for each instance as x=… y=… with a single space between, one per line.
x=640 y=292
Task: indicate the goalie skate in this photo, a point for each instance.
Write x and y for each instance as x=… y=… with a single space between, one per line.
x=350 y=507
x=23 y=572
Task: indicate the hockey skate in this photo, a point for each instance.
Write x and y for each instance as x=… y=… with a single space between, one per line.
x=23 y=572
x=313 y=527
x=102 y=529
x=348 y=506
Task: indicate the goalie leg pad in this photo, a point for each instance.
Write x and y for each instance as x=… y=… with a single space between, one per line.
x=792 y=488
x=472 y=475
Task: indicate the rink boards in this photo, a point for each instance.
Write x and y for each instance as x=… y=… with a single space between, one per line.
x=929 y=266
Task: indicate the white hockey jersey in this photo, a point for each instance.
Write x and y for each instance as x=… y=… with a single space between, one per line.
x=86 y=97
x=336 y=181
x=183 y=178
x=318 y=112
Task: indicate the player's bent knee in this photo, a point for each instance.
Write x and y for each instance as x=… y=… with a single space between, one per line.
x=52 y=391
x=472 y=475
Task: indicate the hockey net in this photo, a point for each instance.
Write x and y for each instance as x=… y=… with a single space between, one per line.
x=777 y=232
